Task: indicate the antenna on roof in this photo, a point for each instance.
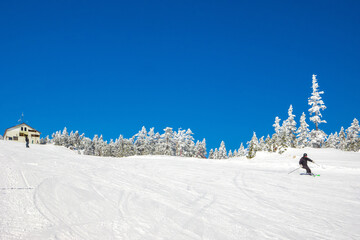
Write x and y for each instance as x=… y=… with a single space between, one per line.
x=21 y=120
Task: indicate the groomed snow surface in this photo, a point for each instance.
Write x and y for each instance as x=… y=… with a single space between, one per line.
x=50 y=192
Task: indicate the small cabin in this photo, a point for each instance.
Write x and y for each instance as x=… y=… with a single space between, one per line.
x=19 y=132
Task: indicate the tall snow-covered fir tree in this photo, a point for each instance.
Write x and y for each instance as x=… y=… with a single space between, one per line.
x=289 y=128
x=253 y=146
x=317 y=136
x=342 y=139
x=241 y=151
x=352 y=136
x=211 y=154
x=167 y=144
x=331 y=141
x=316 y=104
x=222 y=151
x=303 y=132
x=141 y=147
x=277 y=135
x=268 y=144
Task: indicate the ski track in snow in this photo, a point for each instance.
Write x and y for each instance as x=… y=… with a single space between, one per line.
x=49 y=192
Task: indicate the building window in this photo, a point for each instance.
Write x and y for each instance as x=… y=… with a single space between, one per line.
x=16 y=138
x=10 y=138
x=25 y=128
x=22 y=129
x=22 y=134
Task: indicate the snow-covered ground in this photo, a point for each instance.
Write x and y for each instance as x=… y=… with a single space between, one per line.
x=50 y=192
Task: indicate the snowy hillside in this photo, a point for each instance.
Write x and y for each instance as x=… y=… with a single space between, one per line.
x=50 y=192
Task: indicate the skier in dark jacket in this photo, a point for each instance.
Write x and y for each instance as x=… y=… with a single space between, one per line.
x=303 y=163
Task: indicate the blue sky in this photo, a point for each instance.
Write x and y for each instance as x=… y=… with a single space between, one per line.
x=222 y=68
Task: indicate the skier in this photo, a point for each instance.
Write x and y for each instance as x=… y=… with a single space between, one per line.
x=303 y=163
x=27 y=141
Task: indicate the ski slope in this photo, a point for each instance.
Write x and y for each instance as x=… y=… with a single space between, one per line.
x=50 y=192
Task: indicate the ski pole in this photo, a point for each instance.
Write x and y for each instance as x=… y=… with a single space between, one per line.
x=294 y=170
x=316 y=164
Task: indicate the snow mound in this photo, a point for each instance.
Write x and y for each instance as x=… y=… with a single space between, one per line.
x=50 y=192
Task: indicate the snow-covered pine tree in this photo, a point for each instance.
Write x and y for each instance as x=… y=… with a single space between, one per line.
x=262 y=146
x=303 y=132
x=289 y=128
x=216 y=154
x=342 y=139
x=268 y=144
x=253 y=146
x=336 y=141
x=282 y=139
x=190 y=145
x=200 y=149
x=235 y=153
x=88 y=146
x=222 y=151
x=330 y=141
x=140 y=142
x=56 y=138
x=211 y=154
x=97 y=145
x=277 y=135
x=180 y=142
x=167 y=144
x=75 y=139
x=151 y=141
x=316 y=104
x=317 y=136
x=106 y=149
x=64 y=138
x=112 y=147
x=230 y=154
x=241 y=151
x=352 y=136
x=119 y=147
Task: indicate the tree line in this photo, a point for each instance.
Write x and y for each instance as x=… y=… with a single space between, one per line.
x=181 y=143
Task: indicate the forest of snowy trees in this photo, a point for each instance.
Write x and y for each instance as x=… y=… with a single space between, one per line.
x=172 y=143
x=181 y=143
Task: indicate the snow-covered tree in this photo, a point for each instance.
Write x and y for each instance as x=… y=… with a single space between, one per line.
x=317 y=138
x=253 y=146
x=151 y=141
x=230 y=155
x=222 y=154
x=211 y=154
x=342 y=139
x=241 y=151
x=316 y=105
x=277 y=135
x=88 y=146
x=331 y=141
x=303 y=132
x=167 y=144
x=268 y=144
x=45 y=140
x=235 y=153
x=289 y=128
x=352 y=136
x=216 y=154
x=200 y=149
x=141 y=142
x=262 y=145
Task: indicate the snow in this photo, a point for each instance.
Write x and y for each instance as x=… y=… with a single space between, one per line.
x=50 y=192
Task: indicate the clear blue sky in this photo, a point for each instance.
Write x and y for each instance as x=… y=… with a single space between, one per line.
x=222 y=68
